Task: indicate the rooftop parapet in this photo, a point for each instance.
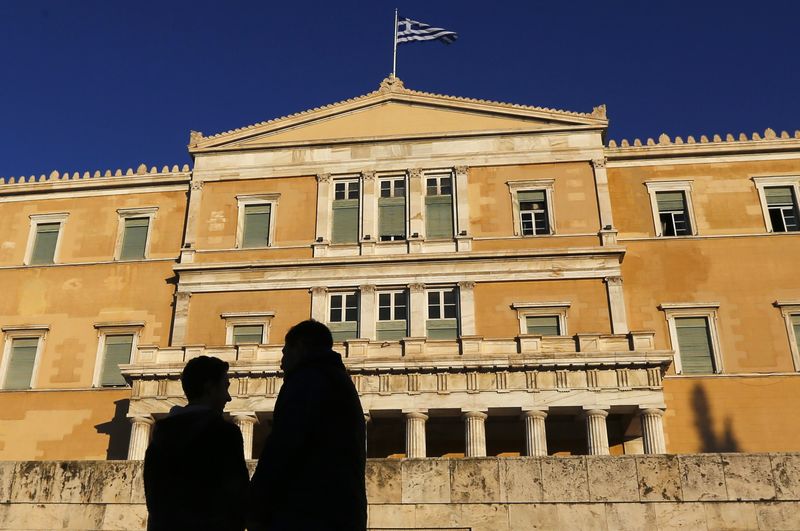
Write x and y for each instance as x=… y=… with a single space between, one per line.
x=55 y=176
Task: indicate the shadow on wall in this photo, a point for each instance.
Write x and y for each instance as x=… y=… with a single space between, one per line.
x=704 y=422
x=118 y=430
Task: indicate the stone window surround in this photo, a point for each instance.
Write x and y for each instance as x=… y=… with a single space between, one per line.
x=514 y=187
x=20 y=332
x=766 y=182
x=684 y=186
x=37 y=219
x=247 y=318
x=256 y=199
x=788 y=309
x=526 y=309
x=709 y=310
x=125 y=213
x=133 y=328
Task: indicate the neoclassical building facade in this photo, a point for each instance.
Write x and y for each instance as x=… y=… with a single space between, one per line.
x=499 y=278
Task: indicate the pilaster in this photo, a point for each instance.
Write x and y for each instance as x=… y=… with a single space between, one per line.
x=319 y=303
x=603 y=194
x=616 y=305
x=418 y=309
x=466 y=294
x=180 y=319
x=369 y=212
x=416 y=205
x=369 y=314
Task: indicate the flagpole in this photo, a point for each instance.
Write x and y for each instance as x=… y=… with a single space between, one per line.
x=394 y=53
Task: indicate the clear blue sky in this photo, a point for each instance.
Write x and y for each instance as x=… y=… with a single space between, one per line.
x=108 y=83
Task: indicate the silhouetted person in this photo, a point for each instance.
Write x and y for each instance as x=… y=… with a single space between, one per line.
x=195 y=476
x=310 y=476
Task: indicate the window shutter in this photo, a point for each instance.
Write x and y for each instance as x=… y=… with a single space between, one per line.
x=44 y=247
x=345 y=221
x=392 y=215
x=535 y=196
x=392 y=330
x=439 y=217
x=543 y=325
x=20 y=367
x=344 y=330
x=670 y=201
x=134 y=238
x=779 y=195
x=248 y=334
x=695 y=345
x=256 y=225
x=117 y=352
x=442 y=328
x=796 y=326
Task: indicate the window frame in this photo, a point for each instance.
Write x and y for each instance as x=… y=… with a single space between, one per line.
x=344 y=293
x=392 y=309
x=346 y=178
x=271 y=199
x=428 y=319
x=789 y=309
x=439 y=175
x=685 y=186
x=22 y=332
x=393 y=177
x=113 y=329
x=542 y=309
x=514 y=187
x=709 y=310
x=134 y=213
x=41 y=219
x=761 y=183
x=233 y=319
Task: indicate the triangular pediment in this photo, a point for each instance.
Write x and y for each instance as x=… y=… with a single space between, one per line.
x=394 y=112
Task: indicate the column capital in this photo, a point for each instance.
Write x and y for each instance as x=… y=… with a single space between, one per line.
x=415 y=173
x=145 y=418
x=461 y=170
x=367 y=289
x=183 y=295
x=368 y=175
x=244 y=416
x=651 y=411
x=323 y=177
x=599 y=162
x=197 y=185
x=474 y=415
x=416 y=287
x=367 y=417
x=593 y=411
x=535 y=413
x=318 y=290
x=415 y=415
x=613 y=281
x=466 y=284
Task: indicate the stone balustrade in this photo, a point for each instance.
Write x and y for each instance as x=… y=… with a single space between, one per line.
x=708 y=491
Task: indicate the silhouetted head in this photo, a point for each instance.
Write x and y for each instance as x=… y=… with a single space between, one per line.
x=304 y=340
x=205 y=382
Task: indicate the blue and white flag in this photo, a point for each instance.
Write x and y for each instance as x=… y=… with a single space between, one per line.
x=410 y=30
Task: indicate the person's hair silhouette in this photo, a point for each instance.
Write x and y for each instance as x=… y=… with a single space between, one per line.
x=310 y=475
x=195 y=476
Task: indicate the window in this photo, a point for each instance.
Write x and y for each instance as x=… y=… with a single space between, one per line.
x=44 y=239
x=543 y=325
x=791 y=314
x=442 y=320
x=343 y=316
x=779 y=202
x=247 y=328
x=693 y=332
x=439 y=206
x=392 y=209
x=117 y=350
x=20 y=360
x=671 y=204
x=542 y=318
x=256 y=227
x=392 y=315
x=133 y=235
x=532 y=207
x=248 y=334
x=345 y=211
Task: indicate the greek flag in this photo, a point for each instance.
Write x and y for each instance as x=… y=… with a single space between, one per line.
x=410 y=30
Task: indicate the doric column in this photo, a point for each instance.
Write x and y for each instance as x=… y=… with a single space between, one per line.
x=369 y=208
x=140 y=436
x=415 y=434
x=319 y=303
x=616 y=305
x=535 y=432
x=180 y=320
x=323 y=231
x=416 y=204
x=603 y=195
x=653 y=431
x=369 y=314
x=474 y=424
x=596 y=431
x=418 y=309
x=246 y=422
x=466 y=294
x=367 y=419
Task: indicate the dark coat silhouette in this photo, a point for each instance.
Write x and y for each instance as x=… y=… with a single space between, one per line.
x=195 y=476
x=311 y=472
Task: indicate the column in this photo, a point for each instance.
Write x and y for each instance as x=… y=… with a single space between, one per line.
x=535 y=432
x=369 y=314
x=140 y=436
x=603 y=195
x=246 y=422
x=367 y=418
x=466 y=295
x=596 y=431
x=193 y=210
x=418 y=310
x=415 y=434
x=616 y=305
x=319 y=304
x=463 y=233
x=416 y=205
x=323 y=230
x=369 y=213
x=653 y=431
x=180 y=320
x=474 y=422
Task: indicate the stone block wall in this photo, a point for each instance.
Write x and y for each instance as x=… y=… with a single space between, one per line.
x=708 y=491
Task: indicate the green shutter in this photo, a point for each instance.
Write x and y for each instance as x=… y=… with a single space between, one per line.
x=534 y=196
x=344 y=330
x=779 y=195
x=796 y=326
x=44 y=247
x=439 y=217
x=134 y=238
x=543 y=325
x=392 y=330
x=442 y=328
x=345 y=221
x=695 y=345
x=20 y=367
x=117 y=352
x=392 y=216
x=248 y=334
x=670 y=201
x=256 y=225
